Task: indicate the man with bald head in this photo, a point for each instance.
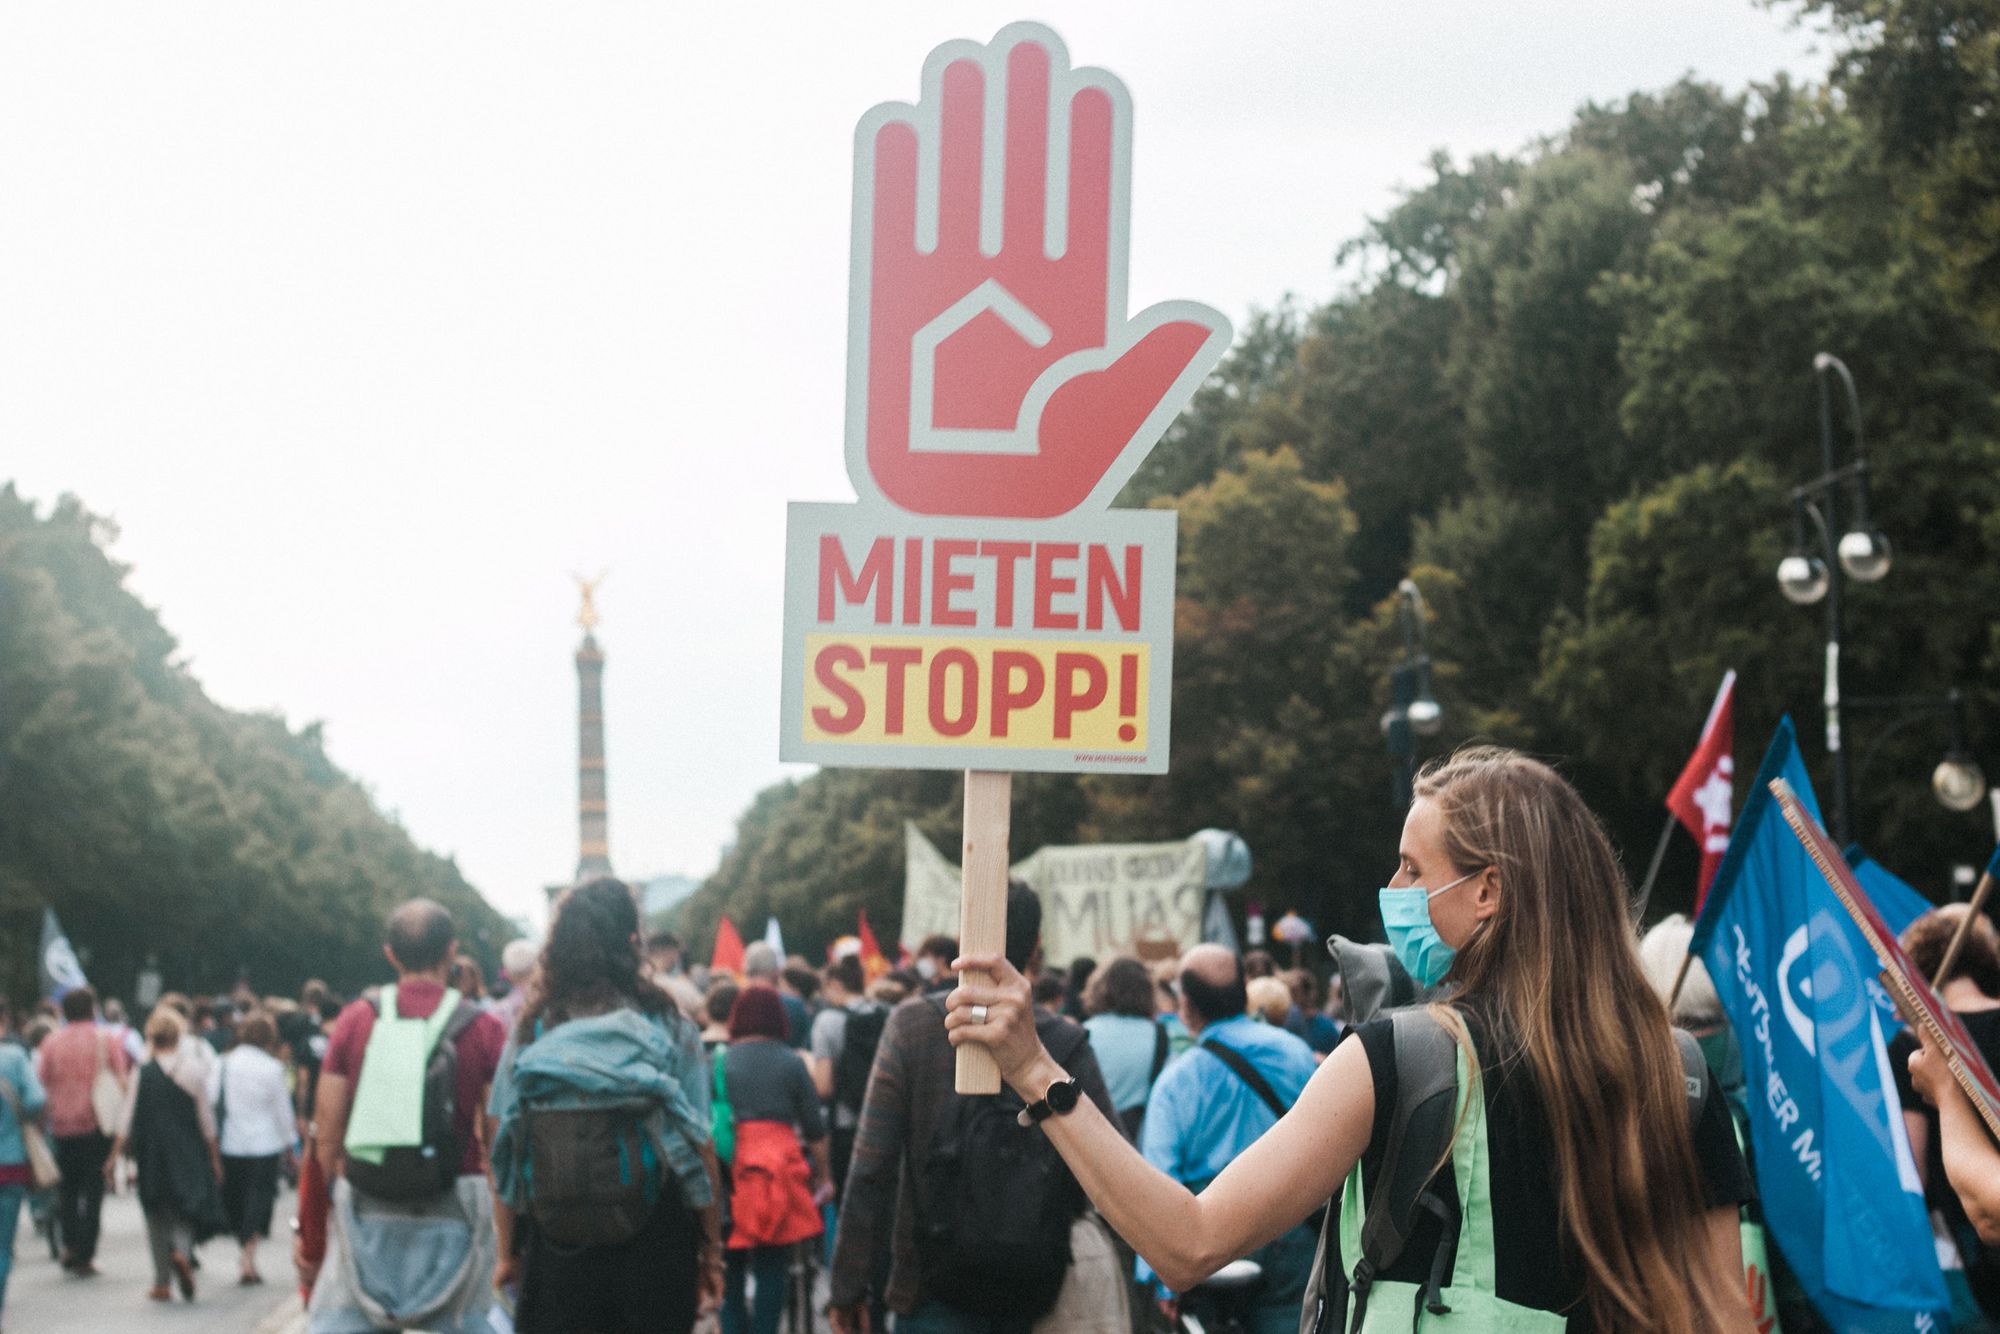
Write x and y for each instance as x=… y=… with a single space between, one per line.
x=1214 y=1100
x=421 y=944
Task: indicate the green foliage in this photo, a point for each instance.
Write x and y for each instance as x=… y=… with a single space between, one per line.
x=1568 y=392
x=159 y=825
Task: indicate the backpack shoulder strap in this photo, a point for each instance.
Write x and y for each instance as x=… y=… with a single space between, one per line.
x=1421 y=1127
x=1160 y=1047
x=1694 y=1069
x=1247 y=1072
x=461 y=1019
x=1420 y=1133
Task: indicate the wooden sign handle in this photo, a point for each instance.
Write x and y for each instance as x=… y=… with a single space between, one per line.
x=1976 y=907
x=982 y=922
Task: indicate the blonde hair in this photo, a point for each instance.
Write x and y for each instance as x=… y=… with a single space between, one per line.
x=164 y=1028
x=1662 y=952
x=1270 y=1000
x=1556 y=974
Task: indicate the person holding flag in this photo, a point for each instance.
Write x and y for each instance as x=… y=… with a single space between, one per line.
x=1590 y=1187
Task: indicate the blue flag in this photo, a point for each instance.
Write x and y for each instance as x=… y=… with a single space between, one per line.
x=1839 y=1187
x=1892 y=896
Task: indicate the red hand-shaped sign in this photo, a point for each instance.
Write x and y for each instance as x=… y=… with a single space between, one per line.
x=992 y=369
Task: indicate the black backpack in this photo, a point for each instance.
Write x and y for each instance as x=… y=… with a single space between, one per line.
x=995 y=1204
x=863 y=1034
x=597 y=1172
x=415 y=1173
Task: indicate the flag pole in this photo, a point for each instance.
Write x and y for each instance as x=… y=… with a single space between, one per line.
x=1653 y=871
x=1977 y=906
x=1680 y=980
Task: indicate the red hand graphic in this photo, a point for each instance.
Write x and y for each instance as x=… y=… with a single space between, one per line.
x=1757 y=1291
x=992 y=368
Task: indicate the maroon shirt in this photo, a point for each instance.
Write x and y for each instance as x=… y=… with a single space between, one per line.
x=478 y=1048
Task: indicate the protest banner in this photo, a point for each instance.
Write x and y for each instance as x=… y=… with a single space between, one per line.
x=1841 y=1193
x=980 y=606
x=1098 y=899
x=1918 y=1003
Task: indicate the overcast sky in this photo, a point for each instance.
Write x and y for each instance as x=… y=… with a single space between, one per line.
x=370 y=323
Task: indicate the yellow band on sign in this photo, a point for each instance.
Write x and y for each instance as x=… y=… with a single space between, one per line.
x=917 y=690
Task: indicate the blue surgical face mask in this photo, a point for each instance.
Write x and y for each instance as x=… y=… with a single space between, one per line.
x=1406 y=915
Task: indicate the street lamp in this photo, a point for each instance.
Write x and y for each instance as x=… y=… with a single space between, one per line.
x=1958 y=782
x=1807 y=576
x=1413 y=709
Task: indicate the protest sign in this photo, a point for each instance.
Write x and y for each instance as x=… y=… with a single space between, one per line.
x=981 y=606
x=1097 y=899
x=1915 y=1000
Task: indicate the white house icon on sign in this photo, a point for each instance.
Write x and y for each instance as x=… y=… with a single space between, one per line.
x=926 y=436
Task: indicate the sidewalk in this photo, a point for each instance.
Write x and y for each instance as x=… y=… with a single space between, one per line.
x=42 y=1299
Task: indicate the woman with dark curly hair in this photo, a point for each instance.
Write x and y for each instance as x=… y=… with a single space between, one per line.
x=602 y=1074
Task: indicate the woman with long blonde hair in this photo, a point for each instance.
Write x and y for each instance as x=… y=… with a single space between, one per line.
x=1592 y=1192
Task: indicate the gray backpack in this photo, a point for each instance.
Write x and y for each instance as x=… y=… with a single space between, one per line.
x=1420 y=1132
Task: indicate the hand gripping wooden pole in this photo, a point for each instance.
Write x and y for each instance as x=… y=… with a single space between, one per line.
x=982 y=922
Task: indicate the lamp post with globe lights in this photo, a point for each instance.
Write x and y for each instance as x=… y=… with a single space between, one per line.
x=1861 y=553
x=1807 y=576
x=1413 y=709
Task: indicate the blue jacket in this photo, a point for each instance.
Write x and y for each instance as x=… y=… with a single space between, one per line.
x=19 y=1071
x=623 y=1054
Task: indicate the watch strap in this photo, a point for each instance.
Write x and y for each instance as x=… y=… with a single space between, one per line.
x=1041 y=1109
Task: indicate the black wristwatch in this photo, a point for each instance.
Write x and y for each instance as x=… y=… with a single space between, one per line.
x=1060 y=1100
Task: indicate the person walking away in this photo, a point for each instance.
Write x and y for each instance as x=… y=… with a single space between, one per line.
x=120 y=1028
x=399 y=1137
x=774 y=1194
x=761 y=965
x=1972 y=992
x=844 y=1037
x=253 y=1109
x=1211 y=1105
x=603 y=1072
x=21 y=1101
x=169 y=1129
x=975 y=1212
x=517 y=965
x=1131 y=1048
x=1593 y=1180
x=86 y=1073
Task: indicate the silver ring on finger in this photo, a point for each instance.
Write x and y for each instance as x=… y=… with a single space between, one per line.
x=978 y=1013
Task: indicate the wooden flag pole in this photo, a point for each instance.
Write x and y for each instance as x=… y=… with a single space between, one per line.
x=1977 y=906
x=982 y=923
x=1680 y=980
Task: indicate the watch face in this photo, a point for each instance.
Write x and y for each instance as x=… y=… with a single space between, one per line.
x=1062 y=1097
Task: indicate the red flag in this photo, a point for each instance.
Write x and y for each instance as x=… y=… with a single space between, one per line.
x=873 y=962
x=1705 y=793
x=728 y=956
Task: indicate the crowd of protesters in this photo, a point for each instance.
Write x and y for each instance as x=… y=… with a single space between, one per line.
x=617 y=1140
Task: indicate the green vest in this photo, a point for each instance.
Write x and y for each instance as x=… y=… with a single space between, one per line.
x=1473 y=1297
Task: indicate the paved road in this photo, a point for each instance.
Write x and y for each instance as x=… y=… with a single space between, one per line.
x=42 y=1299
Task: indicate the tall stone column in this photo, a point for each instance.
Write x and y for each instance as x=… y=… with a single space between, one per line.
x=592 y=815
